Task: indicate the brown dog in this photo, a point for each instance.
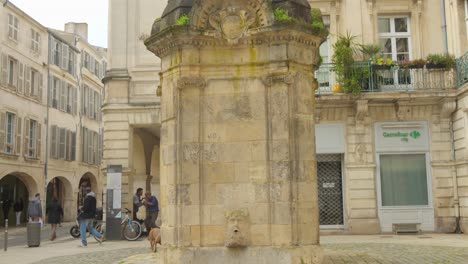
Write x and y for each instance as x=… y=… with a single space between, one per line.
x=154 y=237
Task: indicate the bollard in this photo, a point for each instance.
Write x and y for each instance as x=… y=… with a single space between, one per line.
x=5 y=245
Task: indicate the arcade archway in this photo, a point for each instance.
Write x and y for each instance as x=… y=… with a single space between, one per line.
x=16 y=187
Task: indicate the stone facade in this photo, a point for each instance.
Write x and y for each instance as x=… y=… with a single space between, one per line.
x=135 y=67
x=45 y=95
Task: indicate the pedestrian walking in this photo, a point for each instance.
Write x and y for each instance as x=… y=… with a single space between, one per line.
x=6 y=208
x=137 y=203
x=54 y=213
x=152 y=210
x=35 y=209
x=88 y=212
x=18 y=206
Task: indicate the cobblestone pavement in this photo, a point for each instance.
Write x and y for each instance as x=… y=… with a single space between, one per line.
x=382 y=253
x=340 y=249
x=109 y=256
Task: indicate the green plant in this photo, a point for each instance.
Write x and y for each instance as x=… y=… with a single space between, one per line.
x=318 y=27
x=370 y=51
x=183 y=20
x=384 y=62
x=446 y=61
x=348 y=73
x=282 y=15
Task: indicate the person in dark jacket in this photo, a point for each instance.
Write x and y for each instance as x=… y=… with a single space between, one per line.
x=88 y=212
x=54 y=213
x=6 y=208
x=18 y=207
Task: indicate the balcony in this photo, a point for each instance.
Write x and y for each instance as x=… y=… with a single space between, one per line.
x=378 y=78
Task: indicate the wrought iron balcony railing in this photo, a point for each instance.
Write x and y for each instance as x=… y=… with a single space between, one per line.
x=462 y=70
x=377 y=78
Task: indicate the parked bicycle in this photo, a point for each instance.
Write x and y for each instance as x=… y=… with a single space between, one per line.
x=97 y=224
x=131 y=229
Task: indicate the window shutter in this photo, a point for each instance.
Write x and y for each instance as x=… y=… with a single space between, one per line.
x=2 y=131
x=26 y=137
x=14 y=87
x=27 y=74
x=95 y=147
x=38 y=43
x=4 y=73
x=52 y=54
x=53 y=142
x=75 y=95
x=100 y=146
x=40 y=86
x=20 y=77
x=18 y=135
x=64 y=57
x=68 y=147
x=73 y=146
x=50 y=86
x=62 y=96
x=91 y=103
x=38 y=140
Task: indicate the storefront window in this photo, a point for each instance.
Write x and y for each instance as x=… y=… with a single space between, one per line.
x=403 y=180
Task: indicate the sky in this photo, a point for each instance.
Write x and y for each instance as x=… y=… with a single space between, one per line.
x=55 y=13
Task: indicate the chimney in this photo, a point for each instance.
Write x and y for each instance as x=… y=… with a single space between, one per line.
x=80 y=29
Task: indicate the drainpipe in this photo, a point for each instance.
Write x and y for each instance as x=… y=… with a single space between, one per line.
x=456 y=201
x=46 y=167
x=444 y=26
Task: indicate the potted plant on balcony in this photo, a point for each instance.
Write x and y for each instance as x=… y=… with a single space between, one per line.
x=383 y=64
x=370 y=51
x=350 y=75
x=440 y=61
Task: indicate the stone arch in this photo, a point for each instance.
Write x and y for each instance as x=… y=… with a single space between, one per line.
x=62 y=189
x=87 y=180
x=203 y=9
x=14 y=186
x=29 y=181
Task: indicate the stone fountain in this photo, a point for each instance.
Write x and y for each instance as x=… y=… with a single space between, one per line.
x=238 y=169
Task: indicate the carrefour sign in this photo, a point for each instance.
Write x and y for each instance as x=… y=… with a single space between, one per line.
x=401 y=136
x=404 y=136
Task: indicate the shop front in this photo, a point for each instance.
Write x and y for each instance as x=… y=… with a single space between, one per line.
x=404 y=188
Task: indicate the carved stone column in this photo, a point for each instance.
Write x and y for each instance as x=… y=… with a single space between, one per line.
x=238 y=179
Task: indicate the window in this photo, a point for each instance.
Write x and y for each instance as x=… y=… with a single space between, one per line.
x=55 y=93
x=466 y=14
x=69 y=98
x=13 y=27
x=403 y=180
x=34 y=82
x=12 y=71
x=62 y=143
x=323 y=74
x=10 y=133
x=395 y=38
x=35 y=40
x=71 y=62
x=32 y=136
x=86 y=60
x=96 y=68
x=57 y=53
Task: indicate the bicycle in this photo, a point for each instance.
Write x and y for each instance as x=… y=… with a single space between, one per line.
x=131 y=229
x=96 y=223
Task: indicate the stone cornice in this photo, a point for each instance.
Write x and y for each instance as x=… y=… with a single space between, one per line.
x=176 y=36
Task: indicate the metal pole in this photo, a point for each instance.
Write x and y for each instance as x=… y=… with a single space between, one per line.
x=5 y=244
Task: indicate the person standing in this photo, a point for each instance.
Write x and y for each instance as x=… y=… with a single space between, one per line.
x=88 y=212
x=18 y=207
x=6 y=208
x=137 y=202
x=35 y=209
x=54 y=213
x=152 y=210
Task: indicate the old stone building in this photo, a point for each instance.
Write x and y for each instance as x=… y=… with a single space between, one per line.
x=389 y=158
x=50 y=97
